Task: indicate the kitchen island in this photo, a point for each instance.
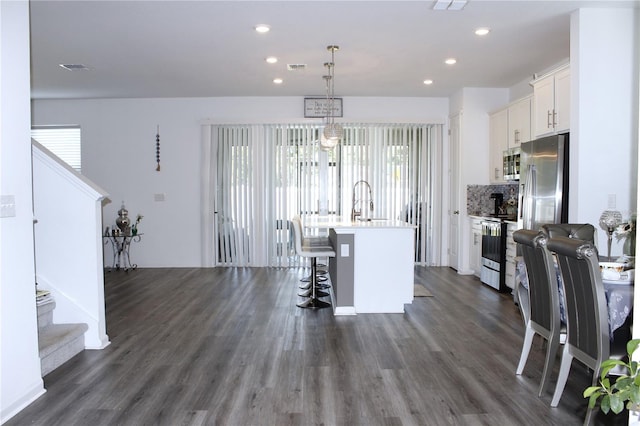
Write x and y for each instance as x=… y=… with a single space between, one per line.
x=373 y=271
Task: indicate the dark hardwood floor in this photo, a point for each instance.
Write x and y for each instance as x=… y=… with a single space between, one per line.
x=228 y=346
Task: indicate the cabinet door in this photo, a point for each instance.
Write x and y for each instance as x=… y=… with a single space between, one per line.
x=520 y=122
x=510 y=254
x=498 y=140
x=475 y=252
x=543 y=103
x=562 y=100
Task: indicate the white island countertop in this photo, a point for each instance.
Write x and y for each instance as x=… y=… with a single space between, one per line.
x=342 y=222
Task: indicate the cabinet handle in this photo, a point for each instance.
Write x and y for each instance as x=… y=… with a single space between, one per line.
x=516 y=136
x=548 y=119
x=555 y=118
x=496 y=173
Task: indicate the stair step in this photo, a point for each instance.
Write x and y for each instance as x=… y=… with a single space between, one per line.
x=45 y=314
x=58 y=343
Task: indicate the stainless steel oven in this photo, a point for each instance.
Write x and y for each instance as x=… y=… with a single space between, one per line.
x=494 y=241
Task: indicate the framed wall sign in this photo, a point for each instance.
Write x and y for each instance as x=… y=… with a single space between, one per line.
x=319 y=107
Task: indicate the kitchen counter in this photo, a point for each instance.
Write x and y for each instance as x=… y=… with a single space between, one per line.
x=497 y=219
x=342 y=222
x=374 y=264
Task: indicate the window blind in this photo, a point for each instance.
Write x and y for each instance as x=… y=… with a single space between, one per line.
x=63 y=141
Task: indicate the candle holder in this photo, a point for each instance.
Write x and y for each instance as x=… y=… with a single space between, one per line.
x=609 y=220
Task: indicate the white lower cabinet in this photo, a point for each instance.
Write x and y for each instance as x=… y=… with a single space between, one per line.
x=510 y=265
x=475 y=252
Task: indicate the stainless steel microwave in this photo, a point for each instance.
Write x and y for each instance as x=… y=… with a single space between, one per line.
x=511 y=164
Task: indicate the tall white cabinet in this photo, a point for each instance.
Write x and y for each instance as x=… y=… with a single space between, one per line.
x=508 y=128
x=551 y=100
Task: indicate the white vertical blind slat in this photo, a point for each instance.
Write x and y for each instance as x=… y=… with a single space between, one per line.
x=268 y=173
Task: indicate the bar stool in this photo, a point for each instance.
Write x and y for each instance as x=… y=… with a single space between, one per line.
x=307 y=248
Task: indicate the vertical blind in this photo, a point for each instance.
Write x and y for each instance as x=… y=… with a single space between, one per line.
x=257 y=177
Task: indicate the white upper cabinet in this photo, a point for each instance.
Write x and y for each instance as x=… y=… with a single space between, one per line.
x=551 y=99
x=498 y=141
x=508 y=128
x=520 y=122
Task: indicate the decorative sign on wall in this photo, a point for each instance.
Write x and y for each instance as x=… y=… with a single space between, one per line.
x=319 y=107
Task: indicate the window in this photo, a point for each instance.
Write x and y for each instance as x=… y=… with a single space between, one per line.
x=259 y=176
x=63 y=141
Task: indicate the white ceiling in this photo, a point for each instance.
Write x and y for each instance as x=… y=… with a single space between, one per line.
x=209 y=48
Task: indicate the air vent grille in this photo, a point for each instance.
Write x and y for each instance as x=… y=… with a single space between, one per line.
x=296 y=67
x=74 y=67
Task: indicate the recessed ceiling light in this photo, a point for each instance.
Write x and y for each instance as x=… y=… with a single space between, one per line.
x=428 y=82
x=277 y=81
x=483 y=31
x=271 y=60
x=450 y=61
x=262 y=28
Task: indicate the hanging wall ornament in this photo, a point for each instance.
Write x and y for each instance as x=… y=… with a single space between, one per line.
x=158 y=148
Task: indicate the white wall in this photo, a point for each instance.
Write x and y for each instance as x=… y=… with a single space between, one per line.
x=476 y=104
x=19 y=361
x=604 y=115
x=118 y=138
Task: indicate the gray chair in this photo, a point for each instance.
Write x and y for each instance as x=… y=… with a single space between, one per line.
x=588 y=337
x=311 y=248
x=543 y=317
x=581 y=231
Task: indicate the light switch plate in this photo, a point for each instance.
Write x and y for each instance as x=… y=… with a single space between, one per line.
x=344 y=250
x=7 y=205
x=611 y=201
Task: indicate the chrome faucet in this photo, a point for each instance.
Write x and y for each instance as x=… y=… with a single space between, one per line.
x=355 y=213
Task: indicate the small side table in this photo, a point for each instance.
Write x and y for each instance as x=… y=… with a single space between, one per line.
x=121 y=245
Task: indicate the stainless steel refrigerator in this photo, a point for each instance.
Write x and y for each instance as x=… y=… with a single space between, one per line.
x=544 y=181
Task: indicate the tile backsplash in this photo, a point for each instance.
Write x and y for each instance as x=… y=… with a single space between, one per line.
x=479 y=202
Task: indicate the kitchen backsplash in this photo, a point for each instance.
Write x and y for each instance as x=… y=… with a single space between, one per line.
x=479 y=202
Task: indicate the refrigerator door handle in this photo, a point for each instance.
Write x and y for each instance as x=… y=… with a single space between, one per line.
x=527 y=197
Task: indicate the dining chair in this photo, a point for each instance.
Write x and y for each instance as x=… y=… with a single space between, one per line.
x=581 y=231
x=543 y=302
x=306 y=247
x=588 y=337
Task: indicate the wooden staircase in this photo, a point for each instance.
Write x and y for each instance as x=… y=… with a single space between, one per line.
x=57 y=342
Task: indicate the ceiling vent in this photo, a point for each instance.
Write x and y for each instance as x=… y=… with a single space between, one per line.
x=296 y=67
x=74 y=67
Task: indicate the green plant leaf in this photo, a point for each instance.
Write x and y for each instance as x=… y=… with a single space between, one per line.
x=632 y=345
x=605 y=404
x=593 y=399
x=590 y=391
x=616 y=403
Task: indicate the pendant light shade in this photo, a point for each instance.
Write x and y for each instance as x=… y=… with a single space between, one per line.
x=333 y=131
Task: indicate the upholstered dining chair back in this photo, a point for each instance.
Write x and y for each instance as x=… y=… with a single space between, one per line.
x=587 y=316
x=581 y=231
x=586 y=309
x=296 y=223
x=544 y=305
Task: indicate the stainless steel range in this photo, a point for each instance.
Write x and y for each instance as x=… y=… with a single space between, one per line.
x=494 y=241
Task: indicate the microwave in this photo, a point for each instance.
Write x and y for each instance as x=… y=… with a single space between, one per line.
x=511 y=164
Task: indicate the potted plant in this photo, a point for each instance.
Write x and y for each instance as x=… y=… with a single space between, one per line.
x=625 y=389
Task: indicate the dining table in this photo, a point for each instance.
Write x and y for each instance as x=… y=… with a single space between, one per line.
x=618 y=292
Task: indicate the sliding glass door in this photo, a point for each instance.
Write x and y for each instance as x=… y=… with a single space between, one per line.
x=256 y=178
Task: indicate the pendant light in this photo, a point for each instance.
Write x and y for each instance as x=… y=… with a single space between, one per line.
x=327 y=144
x=333 y=132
